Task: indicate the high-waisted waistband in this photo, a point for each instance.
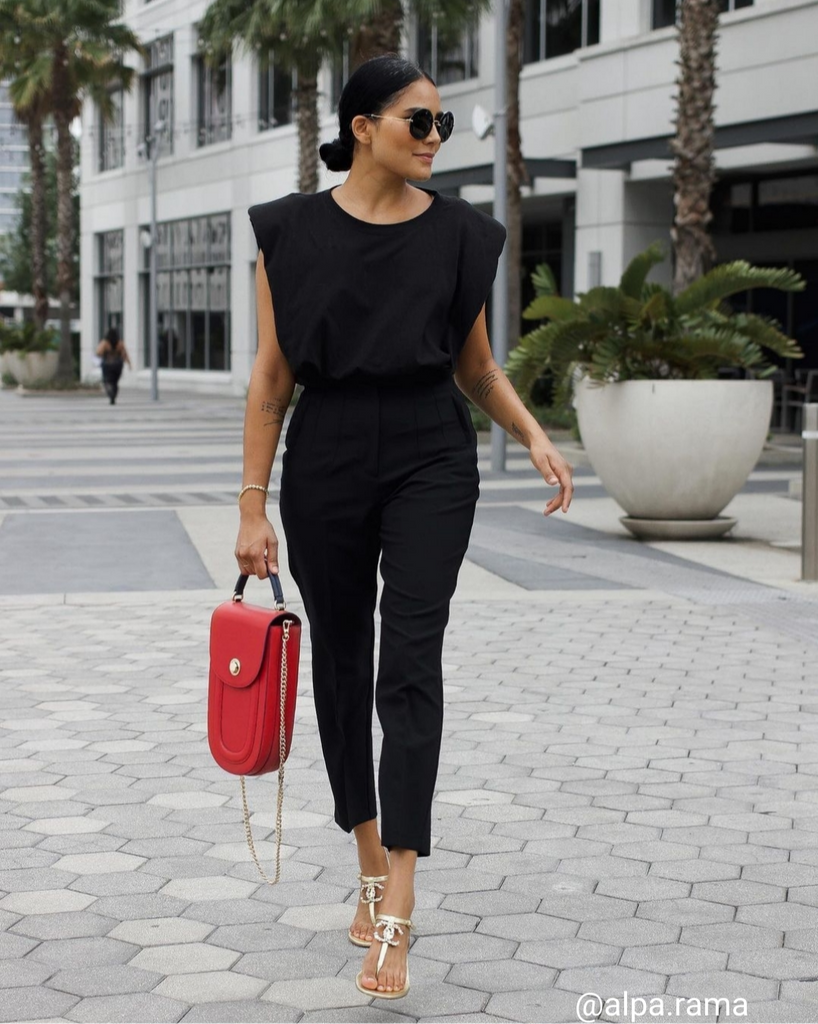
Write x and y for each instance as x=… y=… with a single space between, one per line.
x=436 y=385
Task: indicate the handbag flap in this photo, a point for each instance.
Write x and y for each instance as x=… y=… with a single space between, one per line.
x=238 y=638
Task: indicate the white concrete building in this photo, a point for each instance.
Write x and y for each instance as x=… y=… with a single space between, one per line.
x=597 y=109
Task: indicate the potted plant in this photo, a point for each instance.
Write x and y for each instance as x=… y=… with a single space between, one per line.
x=30 y=355
x=671 y=442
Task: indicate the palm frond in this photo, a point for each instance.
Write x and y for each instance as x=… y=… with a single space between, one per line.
x=729 y=278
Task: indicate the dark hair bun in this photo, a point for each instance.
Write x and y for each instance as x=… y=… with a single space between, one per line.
x=336 y=155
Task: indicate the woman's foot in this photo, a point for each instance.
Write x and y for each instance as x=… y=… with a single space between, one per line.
x=362 y=927
x=398 y=899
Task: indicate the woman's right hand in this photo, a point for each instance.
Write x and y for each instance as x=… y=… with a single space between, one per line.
x=257 y=538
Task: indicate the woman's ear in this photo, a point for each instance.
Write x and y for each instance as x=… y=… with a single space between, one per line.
x=361 y=129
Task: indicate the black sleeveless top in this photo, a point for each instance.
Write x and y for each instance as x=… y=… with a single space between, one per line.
x=357 y=302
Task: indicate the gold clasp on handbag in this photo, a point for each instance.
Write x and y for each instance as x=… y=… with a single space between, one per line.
x=235 y=666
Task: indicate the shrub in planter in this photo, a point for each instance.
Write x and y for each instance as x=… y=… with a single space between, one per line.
x=671 y=442
x=29 y=355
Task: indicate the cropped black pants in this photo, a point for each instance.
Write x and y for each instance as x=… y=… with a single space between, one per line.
x=379 y=472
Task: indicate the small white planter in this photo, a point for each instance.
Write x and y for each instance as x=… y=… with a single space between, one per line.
x=29 y=368
x=674 y=453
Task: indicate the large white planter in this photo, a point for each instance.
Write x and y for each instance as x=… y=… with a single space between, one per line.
x=674 y=453
x=32 y=367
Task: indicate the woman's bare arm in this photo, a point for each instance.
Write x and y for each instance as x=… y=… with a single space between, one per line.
x=268 y=397
x=480 y=377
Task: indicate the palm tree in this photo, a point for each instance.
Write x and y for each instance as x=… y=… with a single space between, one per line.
x=29 y=94
x=84 y=45
x=694 y=167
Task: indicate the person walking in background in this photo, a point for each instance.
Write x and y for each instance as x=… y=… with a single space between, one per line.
x=379 y=290
x=114 y=354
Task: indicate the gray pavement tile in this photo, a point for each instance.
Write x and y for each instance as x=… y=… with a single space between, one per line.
x=67 y=953
x=262 y=935
x=501 y=975
x=119 y=979
x=561 y=953
x=778 y=1011
x=19 y=973
x=241 y=1012
x=118 y=883
x=792 y=964
x=726 y=984
x=464 y=947
x=141 y=905
x=731 y=936
x=611 y=980
x=674 y=958
x=685 y=910
x=546 y=1004
x=34 y=1002
x=372 y=1014
x=289 y=964
x=210 y=987
x=491 y=902
x=67 y=925
x=133 y=1008
x=234 y=911
x=13 y=946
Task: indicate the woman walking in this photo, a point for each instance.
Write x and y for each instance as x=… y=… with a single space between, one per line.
x=372 y=295
x=114 y=355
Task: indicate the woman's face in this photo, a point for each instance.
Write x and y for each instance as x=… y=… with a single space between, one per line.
x=392 y=145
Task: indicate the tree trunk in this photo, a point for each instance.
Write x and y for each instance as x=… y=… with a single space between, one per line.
x=516 y=174
x=381 y=34
x=308 y=127
x=65 y=208
x=39 y=287
x=694 y=167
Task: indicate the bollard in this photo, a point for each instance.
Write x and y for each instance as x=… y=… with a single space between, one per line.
x=809 y=497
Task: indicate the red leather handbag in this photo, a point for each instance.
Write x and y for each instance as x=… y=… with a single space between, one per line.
x=251 y=693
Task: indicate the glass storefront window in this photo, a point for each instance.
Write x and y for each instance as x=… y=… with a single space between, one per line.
x=157 y=92
x=110 y=264
x=193 y=293
x=448 y=57
x=111 y=135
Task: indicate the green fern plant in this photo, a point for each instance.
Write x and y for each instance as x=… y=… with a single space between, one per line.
x=638 y=330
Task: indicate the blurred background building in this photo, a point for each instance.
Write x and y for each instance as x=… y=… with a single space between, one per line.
x=596 y=98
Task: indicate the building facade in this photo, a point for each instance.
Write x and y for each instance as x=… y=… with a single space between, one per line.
x=597 y=108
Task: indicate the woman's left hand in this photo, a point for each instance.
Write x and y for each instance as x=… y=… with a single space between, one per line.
x=555 y=470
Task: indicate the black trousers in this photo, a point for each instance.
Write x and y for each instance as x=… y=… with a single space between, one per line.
x=111 y=372
x=379 y=471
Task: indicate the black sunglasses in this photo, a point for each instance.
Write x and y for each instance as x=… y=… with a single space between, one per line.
x=420 y=123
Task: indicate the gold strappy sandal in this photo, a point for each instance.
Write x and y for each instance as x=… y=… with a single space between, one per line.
x=391 y=925
x=369 y=883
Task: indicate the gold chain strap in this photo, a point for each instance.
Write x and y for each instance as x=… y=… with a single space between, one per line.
x=282 y=747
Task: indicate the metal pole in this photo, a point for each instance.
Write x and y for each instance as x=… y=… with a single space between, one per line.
x=809 y=496
x=153 y=337
x=499 y=319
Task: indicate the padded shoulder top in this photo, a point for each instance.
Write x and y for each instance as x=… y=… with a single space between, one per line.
x=356 y=301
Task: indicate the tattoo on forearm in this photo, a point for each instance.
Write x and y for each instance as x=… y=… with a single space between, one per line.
x=485 y=384
x=515 y=430
x=276 y=409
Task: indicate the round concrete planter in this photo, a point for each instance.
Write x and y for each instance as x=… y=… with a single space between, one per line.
x=32 y=367
x=674 y=453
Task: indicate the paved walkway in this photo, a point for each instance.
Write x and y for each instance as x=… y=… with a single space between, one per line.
x=625 y=802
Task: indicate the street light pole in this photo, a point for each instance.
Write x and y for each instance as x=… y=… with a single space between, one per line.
x=499 y=319
x=153 y=337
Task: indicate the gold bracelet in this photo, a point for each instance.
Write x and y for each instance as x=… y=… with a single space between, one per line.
x=252 y=487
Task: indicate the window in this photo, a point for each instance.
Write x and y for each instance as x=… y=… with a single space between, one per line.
x=664 y=12
x=555 y=27
x=193 y=293
x=448 y=56
x=276 y=93
x=786 y=203
x=109 y=280
x=157 y=92
x=13 y=161
x=111 y=140
x=213 y=101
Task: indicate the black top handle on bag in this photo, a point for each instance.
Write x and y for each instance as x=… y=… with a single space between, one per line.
x=278 y=593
